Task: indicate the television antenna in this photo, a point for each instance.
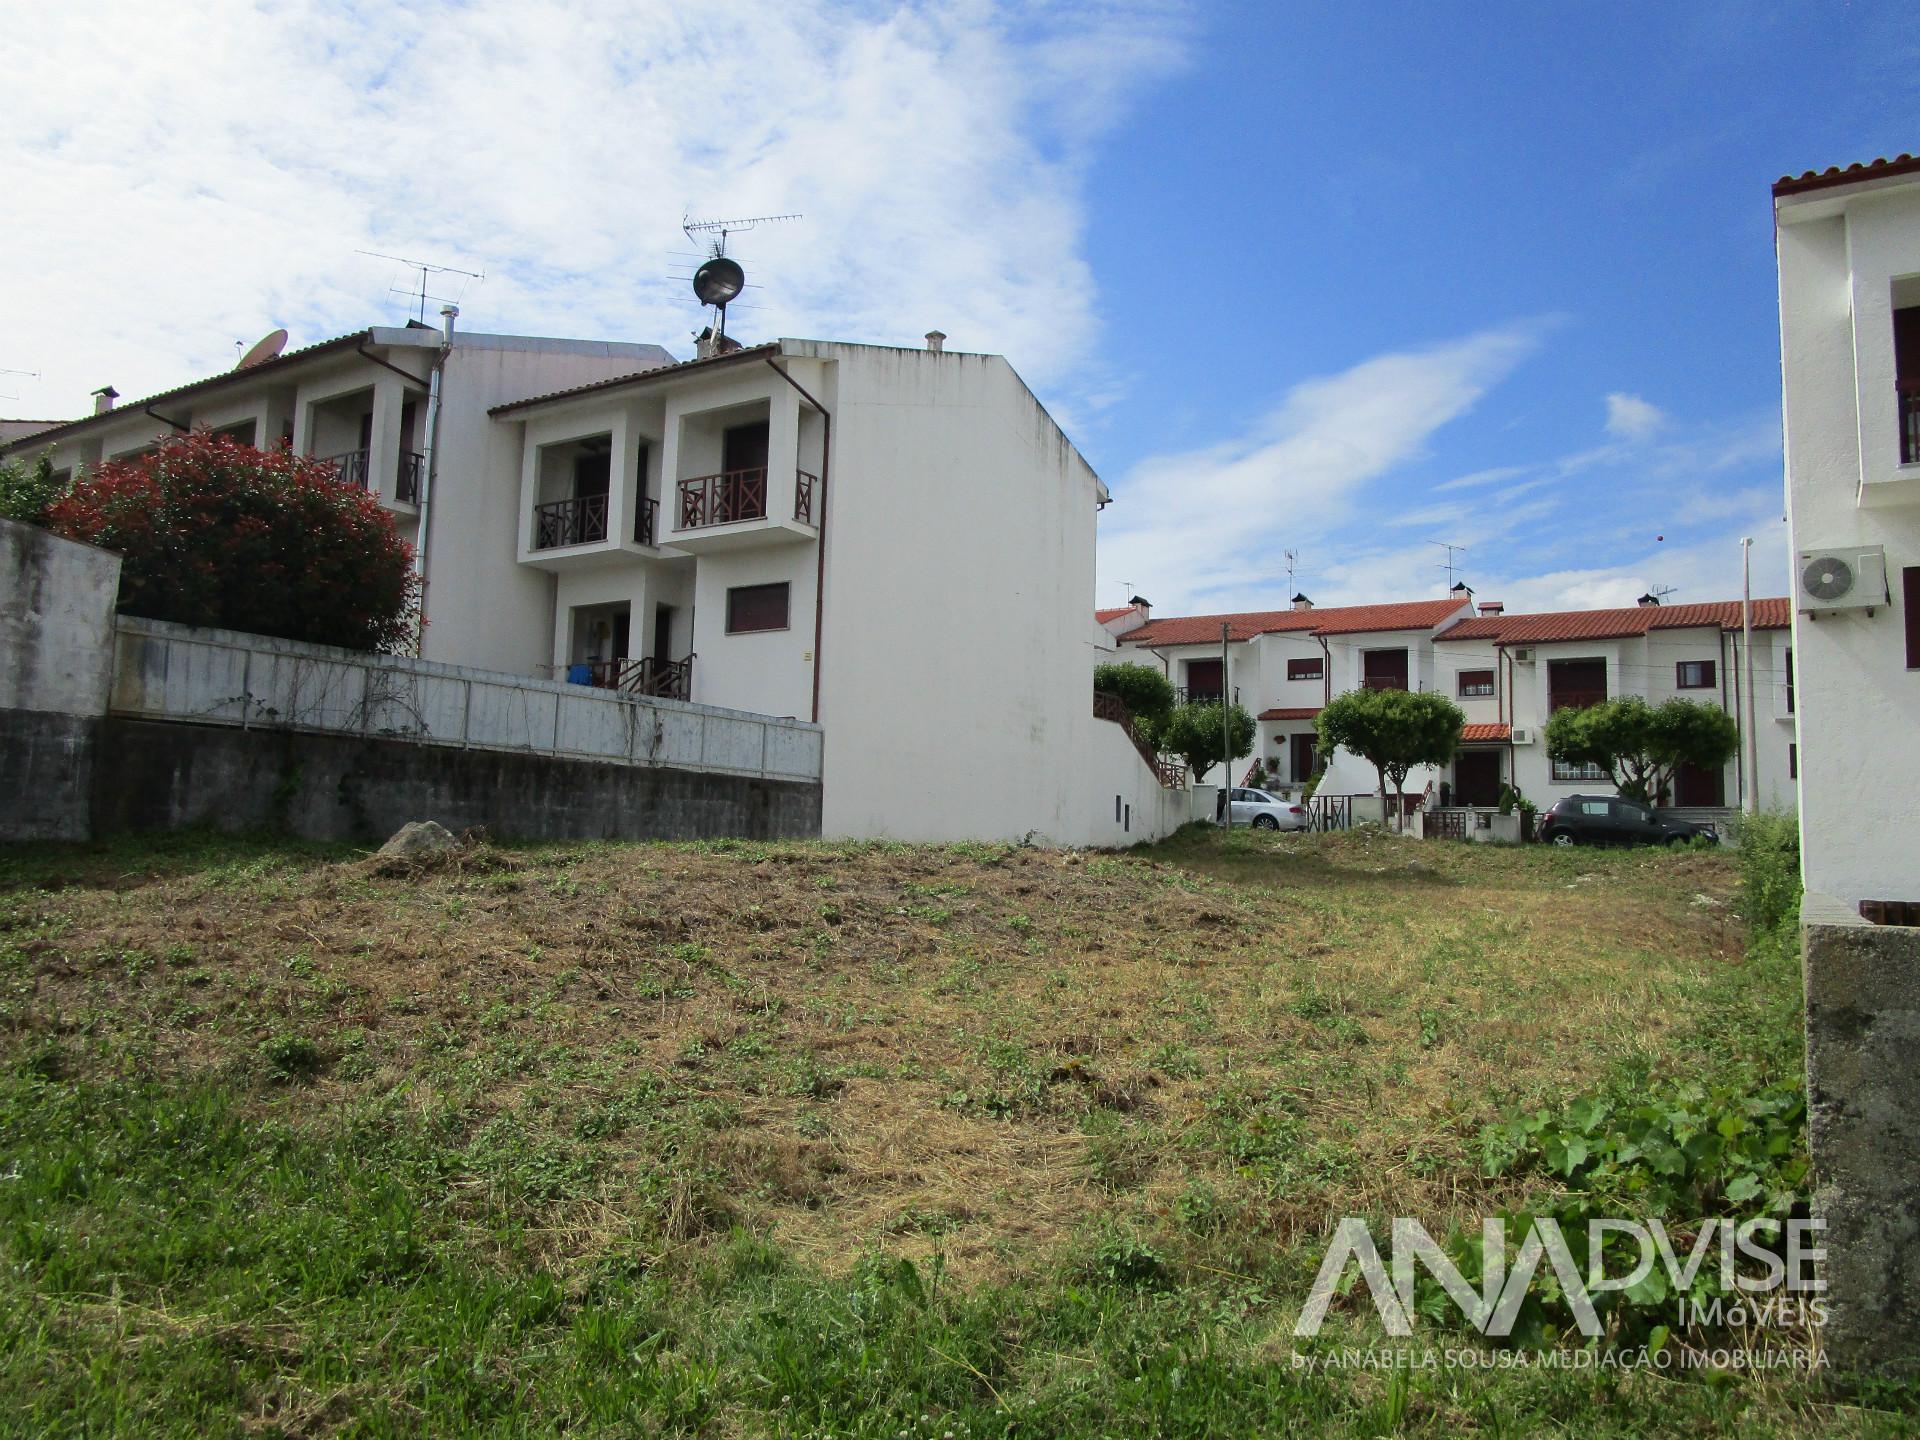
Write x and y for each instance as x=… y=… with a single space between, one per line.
x=720 y=280
x=1660 y=592
x=1293 y=559
x=1451 y=550
x=29 y=374
x=426 y=268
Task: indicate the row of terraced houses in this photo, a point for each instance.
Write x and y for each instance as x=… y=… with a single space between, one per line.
x=1507 y=672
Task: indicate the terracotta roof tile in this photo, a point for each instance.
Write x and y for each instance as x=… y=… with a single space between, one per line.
x=1631 y=620
x=1473 y=733
x=1294 y=712
x=1333 y=620
x=1902 y=164
x=1101 y=617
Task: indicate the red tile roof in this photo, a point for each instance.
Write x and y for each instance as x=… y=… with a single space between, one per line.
x=1295 y=712
x=1101 y=617
x=651 y=373
x=1902 y=164
x=1472 y=733
x=1769 y=614
x=1334 y=620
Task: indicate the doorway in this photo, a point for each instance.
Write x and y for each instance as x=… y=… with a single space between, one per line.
x=662 y=650
x=1476 y=777
x=1302 y=758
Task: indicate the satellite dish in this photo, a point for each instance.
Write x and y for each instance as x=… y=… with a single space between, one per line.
x=266 y=349
x=1827 y=578
x=719 y=281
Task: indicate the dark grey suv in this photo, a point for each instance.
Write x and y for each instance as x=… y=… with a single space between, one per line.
x=1613 y=820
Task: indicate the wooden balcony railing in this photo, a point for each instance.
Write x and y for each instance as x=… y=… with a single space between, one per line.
x=722 y=499
x=803 y=487
x=412 y=477
x=349 y=467
x=579 y=521
x=1384 y=682
x=644 y=520
x=662 y=679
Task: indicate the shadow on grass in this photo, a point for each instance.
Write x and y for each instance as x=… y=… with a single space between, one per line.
x=127 y=860
x=1263 y=859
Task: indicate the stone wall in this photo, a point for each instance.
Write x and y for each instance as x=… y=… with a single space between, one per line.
x=1863 y=1108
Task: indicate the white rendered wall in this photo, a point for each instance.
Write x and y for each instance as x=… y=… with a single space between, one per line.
x=1858 y=704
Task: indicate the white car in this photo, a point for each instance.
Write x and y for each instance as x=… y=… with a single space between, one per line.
x=1266 y=812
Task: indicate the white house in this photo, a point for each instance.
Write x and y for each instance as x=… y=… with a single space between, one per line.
x=1510 y=672
x=791 y=529
x=1849 y=256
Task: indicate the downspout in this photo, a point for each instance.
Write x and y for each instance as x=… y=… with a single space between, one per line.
x=820 y=549
x=429 y=469
x=1326 y=670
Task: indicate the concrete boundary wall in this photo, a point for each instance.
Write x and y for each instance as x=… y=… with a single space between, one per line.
x=163 y=671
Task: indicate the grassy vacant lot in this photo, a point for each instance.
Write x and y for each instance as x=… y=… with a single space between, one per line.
x=809 y=1139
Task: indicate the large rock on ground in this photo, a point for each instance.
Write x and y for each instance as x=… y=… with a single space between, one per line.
x=419 y=840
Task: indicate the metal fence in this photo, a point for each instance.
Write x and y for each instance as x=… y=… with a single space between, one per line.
x=224 y=677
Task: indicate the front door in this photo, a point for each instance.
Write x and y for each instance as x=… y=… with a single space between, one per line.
x=1476 y=777
x=1695 y=786
x=1303 y=756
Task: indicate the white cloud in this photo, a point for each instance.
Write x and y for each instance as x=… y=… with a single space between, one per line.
x=181 y=178
x=1631 y=418
x=1208 y=528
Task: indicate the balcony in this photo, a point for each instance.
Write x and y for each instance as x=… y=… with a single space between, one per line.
x=1909 y=398
x=1574 y=699
x=579 y=521
x=1384 y=682
x=661 y=679
x=1201 y=694
x=354 y=467
x=733 y=507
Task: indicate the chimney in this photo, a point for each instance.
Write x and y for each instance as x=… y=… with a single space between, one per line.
x=448 y=314
x=936 y=340
x=1462 y=591
x=1142 y=604
x=1648 y=599
x=103 y=399
x=703 y=345
x=1300 y=602
x=1492 y=607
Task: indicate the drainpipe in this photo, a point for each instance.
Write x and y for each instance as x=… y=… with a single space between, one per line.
x=820 y=550
x=1326 y=671
x=429 y=468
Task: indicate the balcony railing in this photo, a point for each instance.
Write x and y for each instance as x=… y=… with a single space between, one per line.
x=349 y=467
x=1201 y=694
x=1573 y=699
x=353 y=467
x=662 y=679
x=643 y=520
x=579 y=521
x=1910 y=422
x=412 y=477
x=803 y=488
x=1111 y=707
x=1384 y=682
x=724 y=498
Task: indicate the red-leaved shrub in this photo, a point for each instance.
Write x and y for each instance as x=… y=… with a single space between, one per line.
x=217 y=533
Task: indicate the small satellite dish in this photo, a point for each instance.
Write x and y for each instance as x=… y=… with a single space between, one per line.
x=719 y=281
x=266 y=349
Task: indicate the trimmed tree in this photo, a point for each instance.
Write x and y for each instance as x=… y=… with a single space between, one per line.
x=1147 y=694
x=213 y=532
x=27 y=488
x=1193 y=732
x=1393 y=730
x=1641 y=746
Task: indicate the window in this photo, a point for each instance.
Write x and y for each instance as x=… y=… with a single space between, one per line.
x=756 y=607
x=1566 y=770
x=1596 y=807
x=1694 y=675
x=1906 y=380
x=1476 y=682
x=1790 y=674
x=1309 y=669
x=1793 y=762
x=1910 y=597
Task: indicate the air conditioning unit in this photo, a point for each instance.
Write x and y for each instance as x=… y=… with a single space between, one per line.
x=1523 y=656
x=1854 y=578
x=1520 y=735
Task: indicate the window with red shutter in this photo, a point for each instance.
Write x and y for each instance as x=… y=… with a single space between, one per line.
x=756 y=607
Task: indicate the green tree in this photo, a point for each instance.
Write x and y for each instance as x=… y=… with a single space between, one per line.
x=1147 y=694
x=1193 y=732
x=27 y=488
x=1640 y=746
x=1393 y=730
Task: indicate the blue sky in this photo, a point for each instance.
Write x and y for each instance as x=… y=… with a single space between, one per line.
x=1342 y=279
